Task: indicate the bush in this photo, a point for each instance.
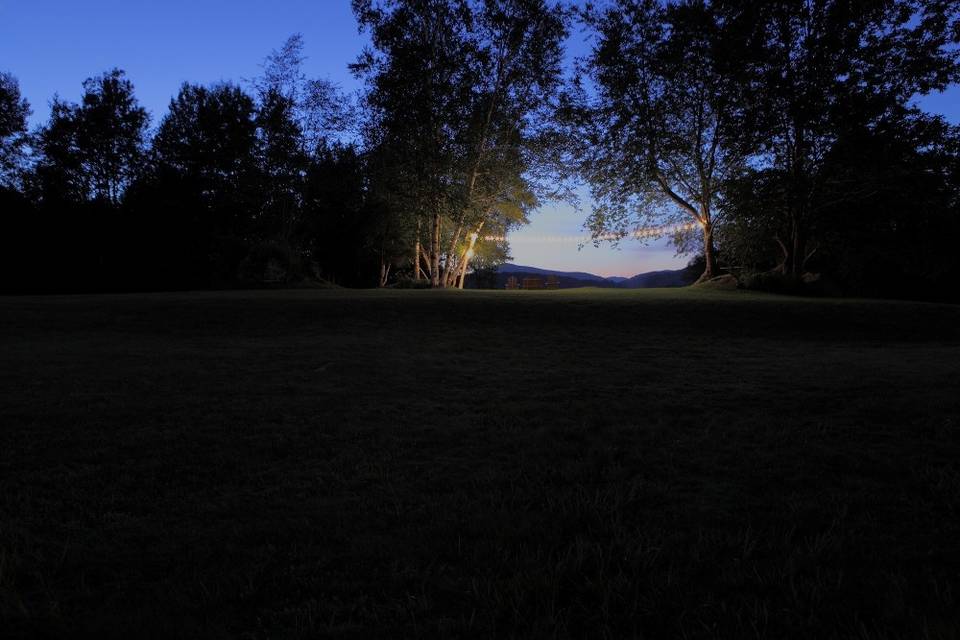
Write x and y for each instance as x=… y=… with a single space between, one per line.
x=410 y=283
x=772 y=282
x=810 y=284
x=272 y=262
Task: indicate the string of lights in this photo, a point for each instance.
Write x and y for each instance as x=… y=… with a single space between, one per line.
x=637 y=234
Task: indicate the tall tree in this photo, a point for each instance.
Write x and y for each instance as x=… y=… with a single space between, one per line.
x=417 y=81
x=92 y=150
x=519 y=47
x=887 y=212
x=14 y=111
x=207 y=142
x=203 y=188
x=451 y=87
x=299 y=124
x=662 y=119
x=830 y=67
x=283 y=164
x=18 y=219
x=317 y=106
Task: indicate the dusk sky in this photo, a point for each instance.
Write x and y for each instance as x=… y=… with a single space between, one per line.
x=51 y=47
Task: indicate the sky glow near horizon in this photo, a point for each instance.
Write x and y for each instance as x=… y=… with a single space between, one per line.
x=52 y=46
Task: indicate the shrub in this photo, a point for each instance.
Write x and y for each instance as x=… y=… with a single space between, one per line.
x=410 y=283
x=772 y=282
x=271 y=262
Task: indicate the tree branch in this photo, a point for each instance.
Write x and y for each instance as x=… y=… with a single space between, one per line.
x=686 y=206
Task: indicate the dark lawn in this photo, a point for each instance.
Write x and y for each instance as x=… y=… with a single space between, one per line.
x=658 y=463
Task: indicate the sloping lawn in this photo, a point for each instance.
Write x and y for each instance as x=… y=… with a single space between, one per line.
x=587 y=463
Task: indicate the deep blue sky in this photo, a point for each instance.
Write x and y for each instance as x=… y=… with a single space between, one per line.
x=52 y=46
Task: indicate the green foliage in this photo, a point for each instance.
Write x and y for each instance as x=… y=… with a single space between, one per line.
x=93 y=150
x=743 y=115
x=410 y=283
x=661 y=127
x=272 y=262
x=457 y=95
x=886 y=214
x=774 y=282
x=14 y=111
x=205 y=150
x=782 y=131
x=824 y=74
x=316 y=107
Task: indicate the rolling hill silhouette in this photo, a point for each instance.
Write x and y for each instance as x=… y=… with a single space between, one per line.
x=575 y=279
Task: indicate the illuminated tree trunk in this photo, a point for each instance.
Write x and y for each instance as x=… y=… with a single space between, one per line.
x=435 y=252
x=449 y=269
x=424 y=264
x=450 y=272
x=709 y=254
x=469 y=254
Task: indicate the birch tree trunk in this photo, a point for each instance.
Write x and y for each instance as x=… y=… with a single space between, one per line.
x=449 y=266
x=435 y=252
x=416 y=254
x=482 y=137
x=469 y=254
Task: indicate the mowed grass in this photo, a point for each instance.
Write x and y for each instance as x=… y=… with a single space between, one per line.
x=569 y=464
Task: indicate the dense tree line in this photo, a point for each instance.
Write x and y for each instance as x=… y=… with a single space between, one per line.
x=783 y=132
x=234 y=186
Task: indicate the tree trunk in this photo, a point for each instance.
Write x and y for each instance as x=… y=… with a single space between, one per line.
x=384 y=272
x=469 y=254
x=384 y=269
x=424 y=264
x=797 y=252
x=435 y=252
x=416 y=254
x=450 y=276
x=781 y=268
x=709 y=255
x=792 y=250
x=449 y=269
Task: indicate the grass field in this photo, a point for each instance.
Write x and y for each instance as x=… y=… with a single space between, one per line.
x=363 y=464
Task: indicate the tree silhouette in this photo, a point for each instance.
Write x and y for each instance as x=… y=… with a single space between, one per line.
x=828 y=68
x=92 y=150
x=662 y=128
x=14 y=111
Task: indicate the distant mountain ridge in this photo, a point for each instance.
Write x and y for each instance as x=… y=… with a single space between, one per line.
x=509 y=267
x=574 y=279
x=663 y=278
